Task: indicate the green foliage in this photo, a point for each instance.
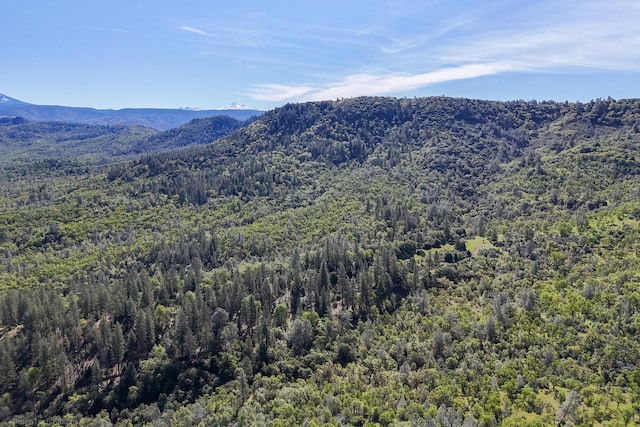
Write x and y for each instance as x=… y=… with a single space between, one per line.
x=371 y=261
x=28 y=141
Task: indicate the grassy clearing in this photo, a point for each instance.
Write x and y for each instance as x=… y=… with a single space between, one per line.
x=477 y=244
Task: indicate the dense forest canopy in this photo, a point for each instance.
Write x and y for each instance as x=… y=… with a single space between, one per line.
x=370 y=261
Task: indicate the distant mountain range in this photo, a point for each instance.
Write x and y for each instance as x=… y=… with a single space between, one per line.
x=26 y=140
x=156 y=118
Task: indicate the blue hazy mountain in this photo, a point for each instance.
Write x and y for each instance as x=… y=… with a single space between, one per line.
x=156 y=118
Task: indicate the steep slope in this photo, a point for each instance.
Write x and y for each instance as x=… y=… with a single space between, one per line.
x=196 y=132
x=428 y=261
x=156 y=118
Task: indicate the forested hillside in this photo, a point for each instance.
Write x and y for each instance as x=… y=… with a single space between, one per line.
x=371 y=261
x=22 y=140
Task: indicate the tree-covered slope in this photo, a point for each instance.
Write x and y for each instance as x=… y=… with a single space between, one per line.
x=22 y=140
x=196 y=132
x=372 y=261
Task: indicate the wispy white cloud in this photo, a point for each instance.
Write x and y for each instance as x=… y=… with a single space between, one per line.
x=399 y=45
x=279 y=92
x=240 y=37
x=547 y=37
x=195 y=31
x=596 y=44
x=368 y=84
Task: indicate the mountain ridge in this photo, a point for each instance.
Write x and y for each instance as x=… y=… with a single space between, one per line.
x=156 y=118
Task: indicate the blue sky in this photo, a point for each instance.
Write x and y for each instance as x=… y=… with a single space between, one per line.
x=207 y=54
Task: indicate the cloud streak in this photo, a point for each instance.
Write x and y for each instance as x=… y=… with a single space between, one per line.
x=279 y=92
x=368 y=84
x=195 y=30
x=565 y=37
x=240 y=37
